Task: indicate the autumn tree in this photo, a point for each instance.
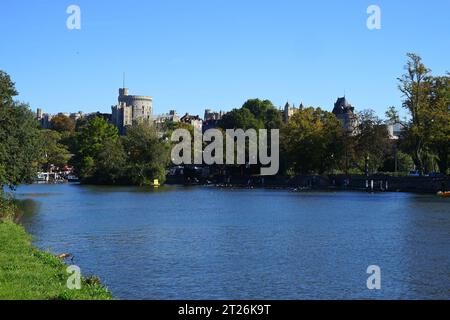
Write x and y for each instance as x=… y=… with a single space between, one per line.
x=62 y=123
x=312 y=141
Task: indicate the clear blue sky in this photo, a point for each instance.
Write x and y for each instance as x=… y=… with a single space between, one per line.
x=190 y=55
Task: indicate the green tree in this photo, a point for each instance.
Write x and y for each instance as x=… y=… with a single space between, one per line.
x=415 y=87
x=254 y=114
x=19 y=138
x=440 y=121
x=53 y=151
x=90 y=142
x=265 y=111
x=241 y=119
x=372 y=141
x=312 y=141
x=148 y=155
x=110 y=163
x=7 y=89
x=403 y=160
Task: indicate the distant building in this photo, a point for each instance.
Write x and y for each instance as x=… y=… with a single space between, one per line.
x=131 y=109
x=77 y=116
x=212 y=119
x=289 y=111
x=39 y=113
x=212 y=115
x=345 y=112
x=394 y=129
x=44 y=119
x=194 y=121
x=172 y=116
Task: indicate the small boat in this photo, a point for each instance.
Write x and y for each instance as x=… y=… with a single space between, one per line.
x=444 y=194
x=72 y=178
x=42 y=177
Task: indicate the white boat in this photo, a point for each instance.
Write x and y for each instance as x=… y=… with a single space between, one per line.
x=43 y=177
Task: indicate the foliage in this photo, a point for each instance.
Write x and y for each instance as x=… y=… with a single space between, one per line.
x=404 y=163
x=110 y=163
x=7 y=89
x=312 y=141
x=19 y=138
x=91 y=141
x=426 y=134
x=102 y=157
x=440 y=121
x=414 y=85
x=148 y=156
x=371 y=142
x=62 y=123
x=265 y=111
x=241 y=119
x=54 y=152
x=255 y=114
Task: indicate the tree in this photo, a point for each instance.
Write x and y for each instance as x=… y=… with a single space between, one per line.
x=7 y=89
x=440 y=121
x=312 y=141
x=254 y=114
x=397 y=162
x=19 y=138
x=91 y=140
x=53 y=152
x=265 y=111
x=415 y=87
x=241 y=119
x=62 y=123
x=148 y=155
x=372 y=142
x=110 y=163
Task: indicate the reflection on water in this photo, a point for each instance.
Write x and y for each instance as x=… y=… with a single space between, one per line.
x=206 y=243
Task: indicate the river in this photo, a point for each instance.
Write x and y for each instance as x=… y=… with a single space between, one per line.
x=209 y=243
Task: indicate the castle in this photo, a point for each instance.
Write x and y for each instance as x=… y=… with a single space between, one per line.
x=345 y=112
x=130 y=110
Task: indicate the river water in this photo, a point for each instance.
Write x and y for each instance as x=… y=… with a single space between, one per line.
x=208 y=243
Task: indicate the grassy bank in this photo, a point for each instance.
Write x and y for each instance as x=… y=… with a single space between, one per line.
x=27 y=273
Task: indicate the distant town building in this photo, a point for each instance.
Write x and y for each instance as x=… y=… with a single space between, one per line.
x=212 y=119
x=44 y=119
x=394 y=129
x=194 y=121
x=77 y=116
x=212 y=115
x=289 y=111
x=345 y=112
x=172 y=116
x=130 y=110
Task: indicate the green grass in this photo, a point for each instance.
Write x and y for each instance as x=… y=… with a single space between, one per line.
x=27 y=273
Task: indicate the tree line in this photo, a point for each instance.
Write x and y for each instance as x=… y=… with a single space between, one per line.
x=311 y=142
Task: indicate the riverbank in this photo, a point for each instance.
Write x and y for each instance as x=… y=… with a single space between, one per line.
x=27 y=273
x=375 y=183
